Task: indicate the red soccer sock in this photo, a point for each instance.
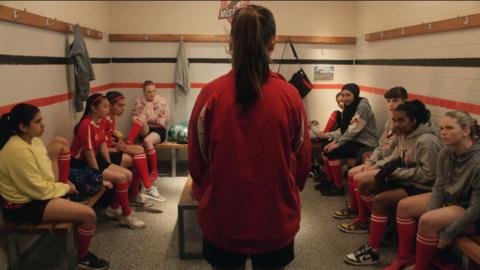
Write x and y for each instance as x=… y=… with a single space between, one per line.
x=64 y=167
x=362 y=208
x=378 y=225
x=352 y=201
x=407 y=228
x=326 y=168
x=336 y=171
x=426 y=249
x=136 y=128
x=152 y=158
x=368 y=202
x=121 y=195
x=135 y=187
x=84 y=235
x=141 y=167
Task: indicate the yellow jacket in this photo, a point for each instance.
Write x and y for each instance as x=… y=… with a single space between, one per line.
x=26 y=172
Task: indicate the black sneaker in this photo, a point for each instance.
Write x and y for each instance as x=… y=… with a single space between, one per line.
x=364 y=255
x=333 y=191
x=90 y=261
x=323 y=184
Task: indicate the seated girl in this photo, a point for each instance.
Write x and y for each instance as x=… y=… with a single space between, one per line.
x=357 y=130
x=382 y=154
x=333 y=122
x=29 y=186
x=128 y=156
x=89 y=149
x=150 y=119
x=453 y=206
x=412 y=173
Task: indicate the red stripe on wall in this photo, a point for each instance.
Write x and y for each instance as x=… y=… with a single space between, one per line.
x=449 y=104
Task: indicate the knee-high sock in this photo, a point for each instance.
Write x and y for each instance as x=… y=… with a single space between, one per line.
x=426 y=249
x=378 y=225
x=135 y=184
x=141 y=168
x=64 y=167
x=136 y=128
x=364 y=204
x=152 y=158
x=327 y=170
x=407 y=228
x=352 y=201
x=336 y=171
x=121 y=195
x=84 y=235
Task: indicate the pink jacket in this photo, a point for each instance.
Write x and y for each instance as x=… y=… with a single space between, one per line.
x=154 y=113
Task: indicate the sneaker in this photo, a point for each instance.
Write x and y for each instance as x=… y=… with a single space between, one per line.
x=400 y=263
x=131 y=221
x=354 y=227
x=143 y=201
x=364 y=255
x=345 y=213
x=323 y=184
x=112 y=213
x=153 y=194
x=90 y=261
x=333 y=191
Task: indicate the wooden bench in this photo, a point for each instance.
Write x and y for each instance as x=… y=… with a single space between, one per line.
x=187 y=202
x=12 y=230
x=173 y=152
x=469 y=247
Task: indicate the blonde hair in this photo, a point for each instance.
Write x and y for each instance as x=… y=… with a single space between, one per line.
x=465 y=120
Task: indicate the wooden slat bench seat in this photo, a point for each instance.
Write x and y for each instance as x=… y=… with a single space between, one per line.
x=469 y=246
x=187 y=202
x=13 y=229
x=174 y=147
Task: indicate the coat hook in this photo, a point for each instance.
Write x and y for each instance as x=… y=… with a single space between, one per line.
x=88 y=32
x=70 y=27
x=145 y=37
x=402 y=32
x=466 y=20
x=381 y=35
x=47 y=22
x=429 y=27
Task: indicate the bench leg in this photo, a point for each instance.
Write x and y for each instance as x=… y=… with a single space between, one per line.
x=71 y=251
x=173 y=156
x=181 y=234
x=13 y=253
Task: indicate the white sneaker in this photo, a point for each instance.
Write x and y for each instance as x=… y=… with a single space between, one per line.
x=143 y=201
x=153 y=194
x=131 y=221
x=113 y=213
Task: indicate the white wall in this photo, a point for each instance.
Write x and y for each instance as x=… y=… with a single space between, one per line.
x=450 y=83
x=37 y=81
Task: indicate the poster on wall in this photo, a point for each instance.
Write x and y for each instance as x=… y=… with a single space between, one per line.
x=323 y=73
x=227 y=8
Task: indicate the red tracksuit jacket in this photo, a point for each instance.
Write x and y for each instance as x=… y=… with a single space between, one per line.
x=248 y=168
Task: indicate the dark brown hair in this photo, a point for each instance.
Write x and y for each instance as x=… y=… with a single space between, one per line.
x=252 y=28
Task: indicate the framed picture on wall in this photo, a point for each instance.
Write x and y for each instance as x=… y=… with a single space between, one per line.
x=323 y=73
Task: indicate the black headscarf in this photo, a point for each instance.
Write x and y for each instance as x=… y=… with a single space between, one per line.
x=350 y=110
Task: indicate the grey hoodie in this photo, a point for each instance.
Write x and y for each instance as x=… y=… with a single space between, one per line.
x=458 y=183
x=362 y=128
x=419 y=150
x=83 y=68
x=385 y=150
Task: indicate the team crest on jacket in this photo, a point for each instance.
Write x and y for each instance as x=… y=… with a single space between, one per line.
x=227 y=8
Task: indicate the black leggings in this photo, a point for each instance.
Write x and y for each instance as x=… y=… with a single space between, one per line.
x=348 y=150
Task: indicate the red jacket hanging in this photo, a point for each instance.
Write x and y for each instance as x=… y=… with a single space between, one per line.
x=248 y=168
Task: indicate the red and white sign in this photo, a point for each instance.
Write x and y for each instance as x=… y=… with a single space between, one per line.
x=227 y=8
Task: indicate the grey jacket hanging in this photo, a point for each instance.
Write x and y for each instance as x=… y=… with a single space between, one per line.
x=83 y=68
